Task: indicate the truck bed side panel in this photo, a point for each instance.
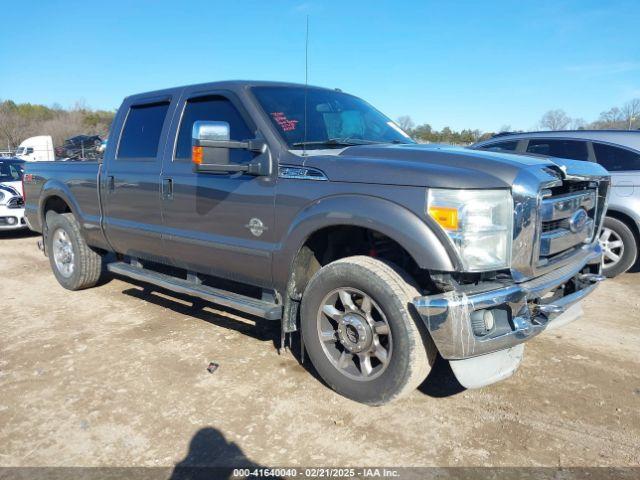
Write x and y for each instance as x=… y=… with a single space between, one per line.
x=76 y=183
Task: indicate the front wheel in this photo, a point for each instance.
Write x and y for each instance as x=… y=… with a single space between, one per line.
x=361 y=332
x=619 y=247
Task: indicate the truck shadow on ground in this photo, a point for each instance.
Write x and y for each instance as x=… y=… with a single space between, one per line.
x=211 y=456
x=441 y=382
x=17 y=234
x=254 y=327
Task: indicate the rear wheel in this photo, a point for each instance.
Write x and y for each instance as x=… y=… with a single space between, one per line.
x=361 y=332
x=74 y=264
x=619 y=247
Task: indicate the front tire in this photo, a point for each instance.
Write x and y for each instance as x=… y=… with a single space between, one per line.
x=75 y=265
x=362 y=333
x=619 y=246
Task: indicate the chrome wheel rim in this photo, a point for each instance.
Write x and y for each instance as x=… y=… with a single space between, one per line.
x=354 y=333
x=612 y=247
x=63 y=254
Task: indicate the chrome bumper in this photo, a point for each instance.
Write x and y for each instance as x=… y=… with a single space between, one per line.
x=447 y=316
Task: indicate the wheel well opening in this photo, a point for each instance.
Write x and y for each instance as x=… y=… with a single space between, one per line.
x=333 y=243
x=627 y=220
x=55 y=204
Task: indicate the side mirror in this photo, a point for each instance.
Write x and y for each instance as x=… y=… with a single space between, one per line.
x=210 y=150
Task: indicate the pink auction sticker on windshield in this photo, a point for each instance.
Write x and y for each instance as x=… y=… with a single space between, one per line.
x=285 y=124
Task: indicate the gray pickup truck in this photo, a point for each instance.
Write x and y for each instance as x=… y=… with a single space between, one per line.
x=307 y=206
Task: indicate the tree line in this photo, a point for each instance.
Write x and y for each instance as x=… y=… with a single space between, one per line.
x=19 y=121
x=626 y=117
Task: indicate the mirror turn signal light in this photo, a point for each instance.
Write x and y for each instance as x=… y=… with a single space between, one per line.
x=196 y=155
x=446 y=217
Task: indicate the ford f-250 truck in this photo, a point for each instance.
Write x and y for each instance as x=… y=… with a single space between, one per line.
x=307 y=206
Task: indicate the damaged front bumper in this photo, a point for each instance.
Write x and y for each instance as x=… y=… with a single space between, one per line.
x=519 y=311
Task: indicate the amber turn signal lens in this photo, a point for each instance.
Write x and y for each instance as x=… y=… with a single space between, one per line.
x=196 y=155
x=446 y=217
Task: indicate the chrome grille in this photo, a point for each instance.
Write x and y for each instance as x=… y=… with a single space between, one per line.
x=568 y=219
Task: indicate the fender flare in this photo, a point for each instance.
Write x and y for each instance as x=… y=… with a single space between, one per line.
x=413 y=233
x=56 y=188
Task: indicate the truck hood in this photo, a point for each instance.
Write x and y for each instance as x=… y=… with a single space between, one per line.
x=434 y=166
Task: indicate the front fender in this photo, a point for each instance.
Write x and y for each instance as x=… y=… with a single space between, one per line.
x=384 y=216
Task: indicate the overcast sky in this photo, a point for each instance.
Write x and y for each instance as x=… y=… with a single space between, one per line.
x=462 y=64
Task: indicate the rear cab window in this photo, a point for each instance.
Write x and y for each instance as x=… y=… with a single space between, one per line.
x=141 y=132
x=571 y=149
x=616 y=159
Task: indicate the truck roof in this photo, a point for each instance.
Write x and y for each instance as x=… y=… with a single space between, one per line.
x=226 y=84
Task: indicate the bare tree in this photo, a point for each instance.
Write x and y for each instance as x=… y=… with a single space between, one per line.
x=578 y=123
x=406 y=123
x=555 y=120
x=631 y=112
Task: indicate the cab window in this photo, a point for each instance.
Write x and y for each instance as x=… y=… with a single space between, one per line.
x=212 y=108
x=141 y=133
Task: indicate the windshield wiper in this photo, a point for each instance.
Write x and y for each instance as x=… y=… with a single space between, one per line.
x=336 y=142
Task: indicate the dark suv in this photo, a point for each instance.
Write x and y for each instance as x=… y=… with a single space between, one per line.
x=616 y=150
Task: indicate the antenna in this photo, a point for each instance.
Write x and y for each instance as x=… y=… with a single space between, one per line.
x=306 y=87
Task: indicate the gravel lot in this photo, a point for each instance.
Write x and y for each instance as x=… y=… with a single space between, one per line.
x=116 y=376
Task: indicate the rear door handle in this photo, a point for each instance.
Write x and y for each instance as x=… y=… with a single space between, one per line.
x=167 y=188
x=111 y=183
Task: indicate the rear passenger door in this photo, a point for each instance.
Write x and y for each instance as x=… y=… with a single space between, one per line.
x=131 y=180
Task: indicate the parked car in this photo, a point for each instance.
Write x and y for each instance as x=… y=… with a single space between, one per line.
x=616 y=150
x=11 y=199
x=309 y=207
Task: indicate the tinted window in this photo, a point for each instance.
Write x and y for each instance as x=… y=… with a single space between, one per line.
x=502 y=146
x=616 y=159
x=572 y=149
x=141 y=133
x=212 y=108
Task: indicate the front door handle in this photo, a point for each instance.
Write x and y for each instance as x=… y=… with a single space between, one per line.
x=111 y=183
x=167 y=188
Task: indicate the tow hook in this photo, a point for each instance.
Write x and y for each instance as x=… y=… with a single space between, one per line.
x=540 y=313
x=591 y=277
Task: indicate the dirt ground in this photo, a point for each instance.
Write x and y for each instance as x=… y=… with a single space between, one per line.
x=116 y=376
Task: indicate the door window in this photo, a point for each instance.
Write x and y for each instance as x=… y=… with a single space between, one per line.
x=572 y=149
x=509 y=146
x=616 y=159
x=142 y=129
x=212 y=108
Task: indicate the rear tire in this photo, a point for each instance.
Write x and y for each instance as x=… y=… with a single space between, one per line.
x=75 y=265
x=380 y=350
x=619 y=245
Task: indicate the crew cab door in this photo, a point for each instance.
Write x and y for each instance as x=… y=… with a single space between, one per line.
x=220 y=224
x=130 y=180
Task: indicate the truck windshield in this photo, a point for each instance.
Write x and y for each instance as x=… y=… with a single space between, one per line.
x=334 y=119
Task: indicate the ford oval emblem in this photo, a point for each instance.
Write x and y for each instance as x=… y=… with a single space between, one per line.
x=578 y=220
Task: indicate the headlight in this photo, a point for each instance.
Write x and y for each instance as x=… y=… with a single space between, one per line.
x=479 y=224
x=1 y=198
